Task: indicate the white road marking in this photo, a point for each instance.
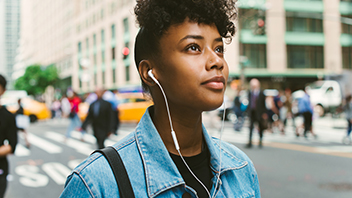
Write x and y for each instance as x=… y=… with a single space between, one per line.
x=43 y=144
x=58 y=172
x=79 y=146
x=21 y=151
x=30 y=176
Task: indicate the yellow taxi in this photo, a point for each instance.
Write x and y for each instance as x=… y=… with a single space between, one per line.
x=32 y=108
x=131 y=107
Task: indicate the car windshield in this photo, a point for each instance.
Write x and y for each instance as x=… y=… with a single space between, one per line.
x=316 y=85
x=128 y=100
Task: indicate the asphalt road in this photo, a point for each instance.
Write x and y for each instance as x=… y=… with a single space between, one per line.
x=287 y=166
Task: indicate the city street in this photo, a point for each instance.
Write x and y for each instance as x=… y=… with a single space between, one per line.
x=287 y=166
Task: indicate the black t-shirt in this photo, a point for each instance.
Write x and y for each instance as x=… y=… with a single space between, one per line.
x=200 y=165
x=8 y=131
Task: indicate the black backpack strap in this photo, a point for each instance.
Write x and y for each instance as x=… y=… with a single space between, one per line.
x=119 y=170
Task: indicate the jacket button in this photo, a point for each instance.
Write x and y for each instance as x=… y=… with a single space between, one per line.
x=186 y=195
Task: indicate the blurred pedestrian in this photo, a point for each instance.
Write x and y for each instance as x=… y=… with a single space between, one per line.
x=256 y=111
x=180 y=60
x=18 y=113
x=239 y=109
x=112 y=98
x=75 y=121
x=65 y=106
x=287 y=111
x=271 y=112
x=8 y=139
x=56 y=109
x=100 y=116
x=306 y=110
x=348 y=113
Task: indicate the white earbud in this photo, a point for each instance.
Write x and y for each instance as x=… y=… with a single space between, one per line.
x=151 y=75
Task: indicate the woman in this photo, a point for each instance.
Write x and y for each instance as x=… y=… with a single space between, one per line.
x=179 y=47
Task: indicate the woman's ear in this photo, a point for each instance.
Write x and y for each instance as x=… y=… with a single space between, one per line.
x=143 y=68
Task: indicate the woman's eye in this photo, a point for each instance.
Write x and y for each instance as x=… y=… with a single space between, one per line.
x=220 y=49
x=193 y=48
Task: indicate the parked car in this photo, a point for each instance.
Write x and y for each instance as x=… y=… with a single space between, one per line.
x=131 y=107
x=32 y=108
x=325 y=96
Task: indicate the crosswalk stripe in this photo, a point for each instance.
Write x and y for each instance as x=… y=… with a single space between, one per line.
x=325 y=139
x=79 y=146
x=86 y=137
x=43 y=144
x=22 y=151
x=58 y=172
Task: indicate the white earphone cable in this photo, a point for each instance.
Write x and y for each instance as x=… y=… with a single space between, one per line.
x=174 y=135
x=221 y=131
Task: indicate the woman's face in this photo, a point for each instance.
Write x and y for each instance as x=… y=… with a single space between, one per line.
x=191 y=67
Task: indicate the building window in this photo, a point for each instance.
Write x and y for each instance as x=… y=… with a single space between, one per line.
x=113 y=53
x=79 y=47
x=103 y=77
x=346 y=28
x=305 y=57
x=95 y=59
x=303 y=23
x=127 y=73
x=87 y=44
x=94 y=40
x=103 y=56
x=125 y=25
x=102 y=37
x=347 y=57
x=255 y=53
x=93 y=19
x=113 y=31
x=95 y=79
x=114 y=76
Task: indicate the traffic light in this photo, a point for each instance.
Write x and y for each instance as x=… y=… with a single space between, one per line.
x=125 y=52
x=260 y=26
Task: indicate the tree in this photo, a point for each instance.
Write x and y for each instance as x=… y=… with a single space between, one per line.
x=37 y=78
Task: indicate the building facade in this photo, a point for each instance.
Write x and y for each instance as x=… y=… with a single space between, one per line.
x=9 y=36
x=104 y=41
x=303 y=40
x=47 y=36
x=283 y=43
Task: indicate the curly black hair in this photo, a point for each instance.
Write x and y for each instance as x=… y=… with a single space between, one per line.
x=3 y=81
x=156 y=16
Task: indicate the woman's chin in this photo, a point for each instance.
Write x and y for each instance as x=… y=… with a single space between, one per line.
x=213 y=107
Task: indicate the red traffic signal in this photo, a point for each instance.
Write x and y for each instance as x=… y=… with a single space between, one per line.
x=125 y=51
x=260 y=23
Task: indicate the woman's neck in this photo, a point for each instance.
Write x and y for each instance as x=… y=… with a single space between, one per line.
x=187 y=126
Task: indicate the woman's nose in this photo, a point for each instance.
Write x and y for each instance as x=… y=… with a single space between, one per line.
x=214 y=61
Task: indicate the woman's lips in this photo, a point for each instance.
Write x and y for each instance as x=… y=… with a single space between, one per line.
x=217 y=83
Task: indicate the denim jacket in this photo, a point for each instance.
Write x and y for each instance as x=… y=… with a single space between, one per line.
x=153 y=173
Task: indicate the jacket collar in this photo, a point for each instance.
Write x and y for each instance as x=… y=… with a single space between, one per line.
x=161 y=172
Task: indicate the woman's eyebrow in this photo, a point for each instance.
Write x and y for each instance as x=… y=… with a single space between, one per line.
x=218 y=39
x=198 y=37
